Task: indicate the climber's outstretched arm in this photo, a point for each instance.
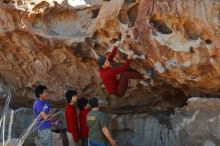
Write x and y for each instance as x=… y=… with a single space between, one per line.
x=114 y=50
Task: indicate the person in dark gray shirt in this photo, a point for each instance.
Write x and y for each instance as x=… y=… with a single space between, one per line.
x=97 y=123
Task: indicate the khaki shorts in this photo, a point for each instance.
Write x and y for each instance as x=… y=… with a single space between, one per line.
x=71 y=141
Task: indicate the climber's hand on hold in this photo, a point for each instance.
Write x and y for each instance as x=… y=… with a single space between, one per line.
x=109 y=50
x=141 y=57
x=117 y=44
x=134 y=57
x=130 y=55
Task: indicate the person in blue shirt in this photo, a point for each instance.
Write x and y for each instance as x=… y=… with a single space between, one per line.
x=42 y=109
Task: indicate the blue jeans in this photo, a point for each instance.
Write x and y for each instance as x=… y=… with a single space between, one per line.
x=95 y=143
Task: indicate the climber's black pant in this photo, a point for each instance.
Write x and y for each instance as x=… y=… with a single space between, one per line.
x=123 y=81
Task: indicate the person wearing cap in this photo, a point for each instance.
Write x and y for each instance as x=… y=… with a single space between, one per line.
x=108 y=73
x=98 y=123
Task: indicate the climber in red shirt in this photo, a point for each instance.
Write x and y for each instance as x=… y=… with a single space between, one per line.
x=72 y=118
x=84 y=110
x=108 y=73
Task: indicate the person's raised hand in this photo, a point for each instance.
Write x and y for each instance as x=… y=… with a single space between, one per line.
x=117 y=44
x=130 y=55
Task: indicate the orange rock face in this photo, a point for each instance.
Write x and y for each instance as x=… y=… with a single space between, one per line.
x=182 y=41
x=44 y=42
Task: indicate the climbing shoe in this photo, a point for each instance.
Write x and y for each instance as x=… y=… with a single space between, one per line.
x=150 y=73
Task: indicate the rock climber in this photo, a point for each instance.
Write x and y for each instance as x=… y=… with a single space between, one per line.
x=108 y=73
